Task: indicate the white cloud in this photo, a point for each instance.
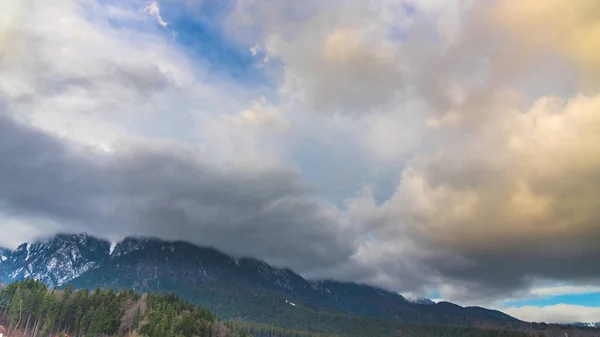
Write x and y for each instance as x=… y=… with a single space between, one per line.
x=545 y=292
x=101 y=84
x=154 y=10
x=254 y=50
x=18 y=230
x=260 y=114
x=96 y=81
x=558 y=313
x=564 y=290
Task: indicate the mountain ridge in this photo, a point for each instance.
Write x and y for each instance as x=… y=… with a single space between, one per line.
x=233 y=287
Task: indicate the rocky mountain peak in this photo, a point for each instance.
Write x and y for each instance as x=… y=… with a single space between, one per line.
x=54 y=261
x=424 y=301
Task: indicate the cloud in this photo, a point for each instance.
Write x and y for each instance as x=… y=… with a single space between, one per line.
x=337 y=55
x=259 y=114
x=502 y=190
x=575 y=27
x=564 y=290
x=497 y=222
x=170 y=191
x=456 y=139
x=24 y=229
x=559 y=313
x=85 y=80
x=154 y=10
x=98 y=107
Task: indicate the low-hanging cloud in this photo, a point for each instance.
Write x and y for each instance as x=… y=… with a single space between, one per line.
x=169 y=191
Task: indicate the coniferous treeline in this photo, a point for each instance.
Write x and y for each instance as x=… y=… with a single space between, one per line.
x=34 y=310
x=359 y=326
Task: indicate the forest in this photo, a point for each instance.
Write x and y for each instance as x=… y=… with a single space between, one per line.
x=33 y=310
x=28 y=308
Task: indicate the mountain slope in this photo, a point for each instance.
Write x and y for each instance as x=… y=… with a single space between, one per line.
x=4 y=254
x=242 y=288
x=55 y=262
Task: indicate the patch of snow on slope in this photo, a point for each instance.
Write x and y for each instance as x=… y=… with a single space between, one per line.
x=75 y=273
x=15 y=273
x=52 y=264
x=74 y=254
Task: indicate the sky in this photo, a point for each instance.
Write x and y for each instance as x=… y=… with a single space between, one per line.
x=443 y=149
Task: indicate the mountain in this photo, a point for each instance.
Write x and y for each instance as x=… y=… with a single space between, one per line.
x=240 y=288
x=4 y=254
x=54 y=262
x=213 y=278
x=424 y=301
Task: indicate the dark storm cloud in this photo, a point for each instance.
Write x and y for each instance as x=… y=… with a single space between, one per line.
x=169 y=191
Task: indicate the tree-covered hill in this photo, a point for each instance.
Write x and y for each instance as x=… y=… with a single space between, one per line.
x=28 y=308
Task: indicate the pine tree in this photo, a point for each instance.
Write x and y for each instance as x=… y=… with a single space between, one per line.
x=15 y=310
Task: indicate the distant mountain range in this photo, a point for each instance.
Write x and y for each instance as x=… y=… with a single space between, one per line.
x=587 y=325
x=243 y=288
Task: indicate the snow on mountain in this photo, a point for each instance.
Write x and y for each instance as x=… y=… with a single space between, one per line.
x=424 y=301
x=4 y=254
x=55 y=261
x=586 y=324
x=131 y=244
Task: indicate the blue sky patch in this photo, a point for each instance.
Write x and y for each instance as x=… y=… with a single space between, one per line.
x=204 y=40
x=590 y=300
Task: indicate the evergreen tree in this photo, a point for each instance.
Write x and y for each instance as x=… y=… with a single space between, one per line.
x=15 y=310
